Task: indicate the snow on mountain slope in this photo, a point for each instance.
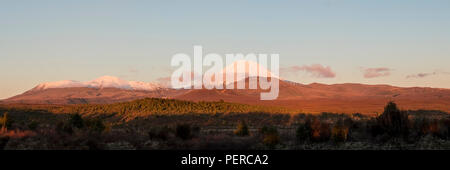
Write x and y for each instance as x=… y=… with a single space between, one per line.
x=59 y=84
x=102 y=82
x=251 y=69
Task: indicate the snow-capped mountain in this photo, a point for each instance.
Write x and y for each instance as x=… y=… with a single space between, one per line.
x=99 y=83
x=314 y=97
x=251 y=69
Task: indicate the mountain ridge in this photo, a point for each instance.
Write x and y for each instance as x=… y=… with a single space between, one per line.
x=101 y=82
x=311 y=98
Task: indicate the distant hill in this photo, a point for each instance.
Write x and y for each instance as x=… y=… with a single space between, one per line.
x=337 y=98
x=143 y=108
x=308 y=98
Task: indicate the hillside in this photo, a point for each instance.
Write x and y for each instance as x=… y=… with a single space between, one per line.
x=143 y=107
x=310 y=98
x=342 y=98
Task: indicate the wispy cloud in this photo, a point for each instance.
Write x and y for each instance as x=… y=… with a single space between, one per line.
x=376 y=72
x=316 y=70
x=422 y=75
x=133 y=70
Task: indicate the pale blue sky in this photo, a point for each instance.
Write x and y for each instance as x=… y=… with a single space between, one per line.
x=51 y=40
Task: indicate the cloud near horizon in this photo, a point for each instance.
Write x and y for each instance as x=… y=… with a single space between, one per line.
x=376 y=72
x=422 y=75
x=316 y=70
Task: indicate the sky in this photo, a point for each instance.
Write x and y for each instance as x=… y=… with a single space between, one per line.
x=403 y=42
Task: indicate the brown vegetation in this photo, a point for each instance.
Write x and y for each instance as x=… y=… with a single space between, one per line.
x=112 y=127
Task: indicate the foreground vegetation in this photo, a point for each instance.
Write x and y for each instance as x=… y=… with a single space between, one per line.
x=173 y=124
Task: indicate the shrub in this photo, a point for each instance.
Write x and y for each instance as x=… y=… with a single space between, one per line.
x=447 y=126
x=424 y=126
x=183 y=131
x=320 y=131
x=5 y=122
x=340 y=132
x=374 y=128
x=76 y=121
x=348 y=122
x=62 y=128
x=195 y=131
x=303 y=132
x=325 y=132
x=242 y=129
x=268 y=130
x=159 y=133
x=95 y=125
x=315 y=130
x=393 y=121
x=32 y=125
x=270 y=136
x=271 y=140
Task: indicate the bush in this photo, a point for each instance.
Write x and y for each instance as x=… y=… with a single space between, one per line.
x=393 y=121
x=195 y=131
x=320 y=131
x=271 y=140
x=32 y=125
x=5 y=122
x=268 y=130
x=271 y=137
x=447 y=126
x=183 y=131
x=161 y=133
x=374 y=128
x=95 y=125
x=424 y=126
x=325 y=132
x=76 y=121
x=303 y=132
x=340 y=132
x=62 y=128
x=242 y=129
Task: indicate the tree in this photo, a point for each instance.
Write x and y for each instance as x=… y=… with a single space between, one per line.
x=393 y=121
x=5 y=122
x=242 y=129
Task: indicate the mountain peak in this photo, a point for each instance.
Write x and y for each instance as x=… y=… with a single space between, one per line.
x=247 y=66
x=109 y=81
x=107 y=78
